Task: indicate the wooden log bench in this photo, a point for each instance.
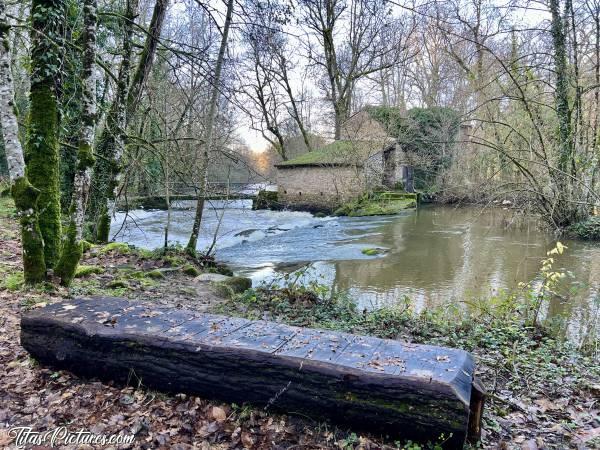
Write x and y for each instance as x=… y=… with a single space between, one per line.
x=417 y=392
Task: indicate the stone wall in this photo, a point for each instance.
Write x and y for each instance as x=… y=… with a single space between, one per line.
x=318 y=188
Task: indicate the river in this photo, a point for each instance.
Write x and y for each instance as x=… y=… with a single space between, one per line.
x=436 y=255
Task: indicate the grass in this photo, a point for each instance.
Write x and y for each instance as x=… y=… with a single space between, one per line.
x=341 y=152
x=14 y=281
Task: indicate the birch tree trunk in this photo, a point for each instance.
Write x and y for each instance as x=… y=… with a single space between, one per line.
x=72 y=247
x=24 y=194
x=42 y=155
x=208 y=140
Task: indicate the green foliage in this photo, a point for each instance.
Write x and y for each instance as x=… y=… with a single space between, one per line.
x=536 y=296
x=14 y=281
x=588 y=229
x=428 y=133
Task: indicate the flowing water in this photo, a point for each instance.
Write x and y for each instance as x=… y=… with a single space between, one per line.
x=436 y=255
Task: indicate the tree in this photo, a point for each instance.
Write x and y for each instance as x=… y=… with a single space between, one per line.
x=24 y=193
x=111 y=144
x=342 y=34
x=42 y=156
x=209 y=130
x=72 y=249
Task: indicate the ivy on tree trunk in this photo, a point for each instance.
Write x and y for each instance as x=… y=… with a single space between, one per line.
x=72 y=247
x=111 y=146
x=42 y=155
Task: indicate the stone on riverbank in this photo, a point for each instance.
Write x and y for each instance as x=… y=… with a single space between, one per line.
x=378 y=204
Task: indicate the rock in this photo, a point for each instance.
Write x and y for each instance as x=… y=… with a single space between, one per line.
x=372 y=251
x=238 y=284
x=246 y=233
x=211 y=278
x=117 y=284
x=230 y=286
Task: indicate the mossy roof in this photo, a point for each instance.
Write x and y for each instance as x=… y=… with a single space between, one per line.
x=337 y=153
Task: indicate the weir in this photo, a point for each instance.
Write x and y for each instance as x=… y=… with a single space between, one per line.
x=419 y=392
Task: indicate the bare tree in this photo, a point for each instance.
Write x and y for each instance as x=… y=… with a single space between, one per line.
x=341 y=42
x=209 y=131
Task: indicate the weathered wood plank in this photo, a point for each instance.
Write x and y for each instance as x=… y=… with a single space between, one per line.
x=417 y=392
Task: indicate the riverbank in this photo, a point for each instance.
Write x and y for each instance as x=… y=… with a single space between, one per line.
x=542 y=389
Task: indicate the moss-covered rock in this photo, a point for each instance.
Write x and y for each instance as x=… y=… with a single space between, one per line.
x=372 y=251
x=117 y=284
x=265 y=200
x=155 y=274
x=116 y=247
x=190 y=270
x=238 y=284
x=84 y=271
x=378 y=204
x=173 y=260
x=227 y=288
x=222 y=290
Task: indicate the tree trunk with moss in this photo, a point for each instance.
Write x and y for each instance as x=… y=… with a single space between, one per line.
x=24 y=194
x=563 y=109
x=111 y=145
x=209 y=129
x=112 y=139
x=72 y=245
x=42 y=155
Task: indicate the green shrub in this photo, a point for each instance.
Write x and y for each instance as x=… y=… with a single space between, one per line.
x=588 y=229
